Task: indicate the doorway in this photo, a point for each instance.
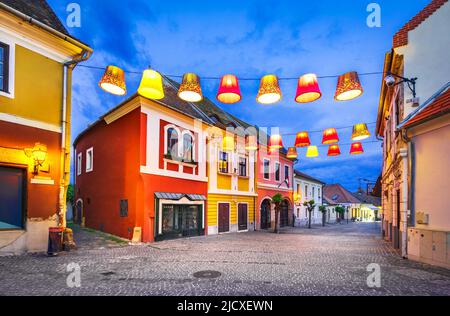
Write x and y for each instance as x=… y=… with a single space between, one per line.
x=12 y=198
x=242 y=217
x=284 y=214
x=265 y=214
x=181 y=221
x=224 y=218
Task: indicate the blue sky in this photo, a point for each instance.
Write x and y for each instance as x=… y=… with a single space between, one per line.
x=249 y=39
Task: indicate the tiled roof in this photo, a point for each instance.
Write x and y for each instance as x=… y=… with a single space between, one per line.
x=308 y=177
x=401 y=37
x=437 y=106
x=39 y=10
x=367 y=199
x=337 y=194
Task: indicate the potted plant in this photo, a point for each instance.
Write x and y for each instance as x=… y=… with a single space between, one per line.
x=323 y=210
x=310 y=206
x=277 y=199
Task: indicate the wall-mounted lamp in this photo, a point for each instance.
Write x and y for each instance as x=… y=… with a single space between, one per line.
x=39 y=155
x=391 y=81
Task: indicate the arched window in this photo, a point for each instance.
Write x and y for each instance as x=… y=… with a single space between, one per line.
x=188 y=152
x=172 y=143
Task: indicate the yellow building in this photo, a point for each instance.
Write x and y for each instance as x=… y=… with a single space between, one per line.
x=37 y=56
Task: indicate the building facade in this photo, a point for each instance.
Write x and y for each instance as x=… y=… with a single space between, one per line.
x=416 y=53
x=307 y=188
x=37 y=57
x=275 y=176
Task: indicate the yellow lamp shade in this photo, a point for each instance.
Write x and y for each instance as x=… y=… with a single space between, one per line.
x=113 y=81
x=151 y=86
x=251 y=143
x=348 y=87
x=312 y=152
x=360 y=132
x=39 y=153
x=190 y=89
x=269 y=90
x=228 y=143
x=292 y=153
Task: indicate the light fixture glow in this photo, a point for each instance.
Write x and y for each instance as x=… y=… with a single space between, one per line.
x=275 y=142
x=292 y=153
x=302 y=140
x=348 y=87
x=251 y=143
x=360 y=132
x=190 y=88
x=334 y=150
x=312 y=152
x=113 y=81
x=151 y=86
x=228 y=143
x=229 y=91
x=356 y=149
x=269 y=90
x=330 y=136
x=308 y=89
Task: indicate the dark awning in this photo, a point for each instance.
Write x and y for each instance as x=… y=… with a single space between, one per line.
x=179 y=196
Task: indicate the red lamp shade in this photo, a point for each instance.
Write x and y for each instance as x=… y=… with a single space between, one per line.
x=330 y=136
x=229 y=91
x=308 y=89
x=356 y=149
x=302 y=140
x=334 y=150
x=275 y=142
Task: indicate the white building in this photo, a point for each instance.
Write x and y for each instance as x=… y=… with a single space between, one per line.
x=307 y=188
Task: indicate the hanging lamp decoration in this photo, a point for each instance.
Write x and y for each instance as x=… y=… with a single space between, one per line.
x=312 y=152
x=229 y=91
x=334 y=150
x=330 y=136
x=348 y=87
x=292 y=153
x=360 y=132
x=308 y=89
x=275 y=142
x=151 y=86
x=228 y=143
x=190 y=88
x=356 y=149
x=269 y=90
x=113 y=81
x=302 y=140
x=251 y=143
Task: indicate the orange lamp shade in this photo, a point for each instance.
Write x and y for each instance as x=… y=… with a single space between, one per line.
x=113 y=81
x=229 y=91
x=269 y=90
x=334 y=150
x=292 y=153
x=348 y=87
x=312 y=152
x=190 y=88
x=360 y=132
x=330 y=136
x=308 y=89
x=275 y=142
x=251 y=143
x=356 y=149
x=151 y=86
x=302 y=140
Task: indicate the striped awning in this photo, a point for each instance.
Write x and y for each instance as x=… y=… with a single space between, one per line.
x=179 y=196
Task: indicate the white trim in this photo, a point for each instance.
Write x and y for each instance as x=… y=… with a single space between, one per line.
x=11 y=67
x=273 y=186
x=194 y=142
x=229 y=217
x=173 y=174
x=30 y=123
x=247 y=159
x=264 y=169
x=232 y=192
x=42 y=181
x=79 y=163
x=91 y=162
x=166 y=130
x=183 y=201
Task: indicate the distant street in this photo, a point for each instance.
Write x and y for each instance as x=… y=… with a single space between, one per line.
x=321 y=261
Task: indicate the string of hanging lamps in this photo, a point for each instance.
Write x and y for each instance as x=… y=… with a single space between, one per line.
x=308 y=90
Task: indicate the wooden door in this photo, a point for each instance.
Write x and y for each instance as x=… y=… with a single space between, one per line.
x=224 y=218
x=243 y=216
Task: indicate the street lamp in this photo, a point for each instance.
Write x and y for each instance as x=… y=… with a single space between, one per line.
x=391 y=81
x=39 y=153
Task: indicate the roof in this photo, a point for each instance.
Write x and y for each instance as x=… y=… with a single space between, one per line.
x=437 y=105
x=308 y=177
x=337 y=194
x=401 y=37
x=39 y=10
x=367 y=199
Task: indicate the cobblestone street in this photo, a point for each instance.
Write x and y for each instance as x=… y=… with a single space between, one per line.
x=321 y=261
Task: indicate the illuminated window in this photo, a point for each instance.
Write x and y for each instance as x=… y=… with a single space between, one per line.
x=223 y=162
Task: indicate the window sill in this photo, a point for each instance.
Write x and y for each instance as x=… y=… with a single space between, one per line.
x=244 y=177
x=225 y=174
x=9 y=95
x=181 y=162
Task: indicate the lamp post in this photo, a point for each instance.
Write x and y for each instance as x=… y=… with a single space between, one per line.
x=391 y=82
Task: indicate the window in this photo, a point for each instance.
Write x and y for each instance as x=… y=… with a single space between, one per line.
x=79 y=162
x=286 y=173
x=188 y=153
x=172 y=143
x=277 y=171
x=298 y=190
x=306 y=191
x=243 y=166
x=319 y=195
x=90 y=160
x=123 y=208
x=266 y=169
x=4 y=67
x=313 y=193
x=223 y=162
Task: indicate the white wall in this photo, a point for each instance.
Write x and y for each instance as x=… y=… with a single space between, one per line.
x=427 y=55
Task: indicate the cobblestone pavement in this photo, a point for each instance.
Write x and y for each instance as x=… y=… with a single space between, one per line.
x=322 y=261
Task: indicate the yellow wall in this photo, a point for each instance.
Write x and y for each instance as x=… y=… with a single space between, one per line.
x=37 y=88
x=213 y=204
x=223 y=182
x=243 y=184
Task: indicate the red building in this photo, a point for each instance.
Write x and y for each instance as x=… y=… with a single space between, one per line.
x=143 y=165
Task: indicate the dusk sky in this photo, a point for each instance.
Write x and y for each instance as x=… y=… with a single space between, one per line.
x=248 y=39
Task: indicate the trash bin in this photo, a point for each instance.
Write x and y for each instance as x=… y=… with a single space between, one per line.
x=55 y=240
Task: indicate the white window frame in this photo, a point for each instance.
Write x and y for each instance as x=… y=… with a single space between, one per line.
x=180 y=148
x=264 y=169
x=187 y=132
x=11 y=67
x=79 y=163
x=90 y=167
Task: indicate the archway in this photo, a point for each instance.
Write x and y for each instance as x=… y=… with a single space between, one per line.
x=265 y=214
x=78 y=213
